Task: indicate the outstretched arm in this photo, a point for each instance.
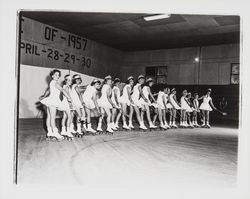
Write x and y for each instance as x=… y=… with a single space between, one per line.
x=201 y=97
x=129 y=95
x=79 y=94
x=212 y=104
x=116 y=98
x=46 y=93
x=141 y=94
x=151 y=95
x=109 y=98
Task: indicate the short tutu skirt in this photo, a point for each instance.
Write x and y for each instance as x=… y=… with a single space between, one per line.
x=116 y=104
x=169 y=106
x=64 y=105
x=50 y=101
x=89 y=104
x=155 y=105
x=124 y=100
x=104 y=103
x=205 y=107
x=186 y=107
x=175 y=105
x=138 y=102
x=77 y=103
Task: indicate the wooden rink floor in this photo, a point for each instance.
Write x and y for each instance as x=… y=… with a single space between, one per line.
x=202 y=157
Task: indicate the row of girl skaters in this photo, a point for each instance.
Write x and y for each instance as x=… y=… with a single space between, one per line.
x=189 y=109
x=71 y=105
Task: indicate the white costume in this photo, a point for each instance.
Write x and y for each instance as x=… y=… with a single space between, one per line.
x=184 y=104
x=146 y=94
x=118 y=94
x=196 y=105
x=168 y=104
x=125 y=98
x=103 y=101
x=138 y=101
x=88 y=95
x=205 y=104
x=54 y=97
x=160 y=101
x=173 y=102
x=75 y=98
x=65 y=105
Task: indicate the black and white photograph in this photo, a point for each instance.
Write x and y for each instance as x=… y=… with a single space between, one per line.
x=124 y=99
x=109 y=97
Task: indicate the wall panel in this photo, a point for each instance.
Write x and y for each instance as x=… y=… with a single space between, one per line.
x=209 y=74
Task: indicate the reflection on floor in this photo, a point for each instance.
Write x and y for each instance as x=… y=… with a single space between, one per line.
x=181 y=156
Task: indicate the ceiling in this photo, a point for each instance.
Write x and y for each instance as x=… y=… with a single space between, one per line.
x=130 y=32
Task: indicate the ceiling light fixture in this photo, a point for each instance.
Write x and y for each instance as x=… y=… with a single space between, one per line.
x=156 y=17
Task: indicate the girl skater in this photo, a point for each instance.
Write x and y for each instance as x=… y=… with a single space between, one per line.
x=184 y=107
x=138 y=98
x=126 y=101
x=90 y=100
x=52 y=102
x=196 y=110
x=189 y=110
x=116 y=94
x=174 y=106
x=66 y=107
x=106 y=104
x=162 y=107
x=146 y=91
x=206 y=108
x=78 y=103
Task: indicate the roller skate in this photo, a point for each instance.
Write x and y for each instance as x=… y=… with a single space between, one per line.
x=117 y=126
x=90 y=130
x=174 y=125
x=109 y=130
x=197 y=125
x=166 y=125
x=163 y=127
x=67 y=135
x=203 y=125
x=54 y=135
x=152 y=126
x=130 y=125
x=112 y=125
x=208 y=126
x=79 y=133
x=50 y=135
x=143 y=127
x=190 y=125
x=99 y=128
x=126 y=127
x=182 y=125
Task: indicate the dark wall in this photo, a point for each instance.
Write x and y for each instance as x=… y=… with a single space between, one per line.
x=229 y=92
